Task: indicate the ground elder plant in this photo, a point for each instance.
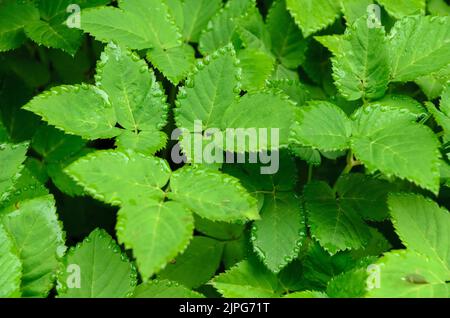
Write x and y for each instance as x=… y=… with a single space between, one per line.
x=240 y=148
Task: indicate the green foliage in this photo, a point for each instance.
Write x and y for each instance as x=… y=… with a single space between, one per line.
x=238 y=148
x=312 y=16
x=104 y=271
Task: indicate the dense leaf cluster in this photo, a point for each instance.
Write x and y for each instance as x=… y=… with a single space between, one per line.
x=93 y=204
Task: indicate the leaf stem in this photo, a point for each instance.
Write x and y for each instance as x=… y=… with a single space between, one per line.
x=351 y=162
x=310 y=172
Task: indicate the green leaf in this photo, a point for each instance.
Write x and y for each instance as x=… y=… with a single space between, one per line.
x=413 y=52
x=65 y=108
x=196 y=14
x=58 y=151
x=14 y=15
x=10 y=266
x=24 y=188
x=401 y=8
x=364 y=195
x=138 y=24
x=12 y=157
x=257 y=66
x=53 y=145
x=422 y=225
x=54 y=33
x=137 y=98
x=362 y=69
x=319 y=266
x=197 y=264
x=287 y=40
x=335 y=43
x=117 y=177
x=445 y=100
x=53 y=29
x=164 y=289
x=308 y=154
x=222 y=27
x=253 y=32
x=222 y=231
x=99 y=267
x=354 y=9
x=394 y=101
x=408 y=274
x=321 y=125
x=175 y=63
x=377 y=245
x=438 y=7
x=382 y=141
x=296 y=91
x=442 y=117
x=209 y=92
x=212 y=195
x=313 y=15
x=37 y=235
x=433 y=85
x=146 y=142
x=335 y=227
x=156 y=232
x=350 y=284
x=235 y=252
x=248 y=279
x=255 y=111
x=278 y=236
x=283 y=180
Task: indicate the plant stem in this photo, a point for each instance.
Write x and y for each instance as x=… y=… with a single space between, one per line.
x=351 y=162
x=310 y=171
